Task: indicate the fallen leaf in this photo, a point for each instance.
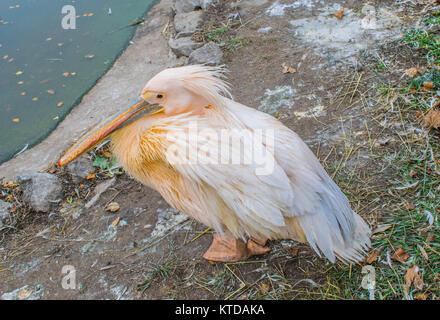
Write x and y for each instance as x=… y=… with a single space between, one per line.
x=5 y=57
x=427 y=85
x=59 y=104
x=73 y=73
x=89 y=56
x=412 y=173
x=48 y=39
x=287 y=69
x=408 y=206
x=295 y=251
x=90 y=14
x=60 y=44
x=264 y=288
x=20 y=82
x=23 y=93
x=90 y=176
x=19 y=72
x=66 y=74
x=382 y=228
x=24 y=294
x=412 y=72
x=400 y=255
x=116 y=221
x=16 y=120
x=373 y=256
x=11 y=59
x=421 y=296
x=423 y=252
x=412 y=276
x=339 y=14
x=432 y=119
x=50 y=91
x=430 y=238
x=35 y=99
x=112 y=207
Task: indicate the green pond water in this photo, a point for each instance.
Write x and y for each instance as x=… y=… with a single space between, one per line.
x=45 y=69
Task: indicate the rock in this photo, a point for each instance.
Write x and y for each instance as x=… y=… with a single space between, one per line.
x=187 y=22
x=80 y=168
x=4 y=212
x=183 y=46
x=41 y=190
x=184 y=6
x=210 y=54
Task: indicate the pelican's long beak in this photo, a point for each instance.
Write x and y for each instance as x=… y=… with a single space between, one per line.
x=137 y=108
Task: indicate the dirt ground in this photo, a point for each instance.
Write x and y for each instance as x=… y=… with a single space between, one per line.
x=146 y=250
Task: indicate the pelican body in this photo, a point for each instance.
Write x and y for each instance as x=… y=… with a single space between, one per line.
x=233 y=168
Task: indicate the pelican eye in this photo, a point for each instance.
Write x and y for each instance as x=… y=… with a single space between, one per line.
x=159 y=96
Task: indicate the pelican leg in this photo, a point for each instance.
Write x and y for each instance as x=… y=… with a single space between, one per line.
x=226 y=249
x=257 y=246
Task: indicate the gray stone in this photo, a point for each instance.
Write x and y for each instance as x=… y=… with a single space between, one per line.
x=4 y=212
x=210 y=54
x=41 y=190
x=187 y=22
x=183 y=46
x=80 y=168
x=183 y=6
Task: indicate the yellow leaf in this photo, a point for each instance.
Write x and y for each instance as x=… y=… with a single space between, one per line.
x=113 y=207
x=16 y=120
x=91 y=176
x=339 y=14
x=35 y=99
x=59 y=104
x=116 y=221
x=18 y=73
x=50 y=91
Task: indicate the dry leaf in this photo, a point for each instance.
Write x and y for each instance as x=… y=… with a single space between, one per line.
x=373 y=256
x=424 y=254
x=427 y=85
x=412 y=173
x=412 y=276
x=24 y=294
x=412 y=72
x=50 y=91
x=90 y=176
x=16 y=120
x=89 y=56
x=421 y=296
x=295 y=251
x=59 y=104
x=66 y=74
x=382 y=228
x=287 y=69
x=408 y=206
x=432 y=119
x=400 y=255
x=264 y=288
x=116 y=221
x=112 y=207
x=430 y=238
x=339 y=14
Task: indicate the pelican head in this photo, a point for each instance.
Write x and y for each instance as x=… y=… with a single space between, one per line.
x=172 y=91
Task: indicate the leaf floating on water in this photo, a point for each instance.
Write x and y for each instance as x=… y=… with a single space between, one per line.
x=55 y=118
x=89 y=56
x=48 y=38
x=16 y=120
x=20 y=82
x=50 y=91
x=5 y=57
x=35 y=99
x=23 y=93
x=11 y=59
x=60 y=44
x=73 y=73
x=90 y=14
x=339 y=14
x=19 y=72
x=66 y=74
x=59 y=104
